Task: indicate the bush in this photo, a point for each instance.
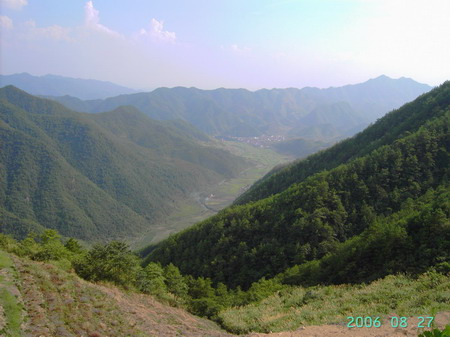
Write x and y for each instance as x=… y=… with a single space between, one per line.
x=112 y=262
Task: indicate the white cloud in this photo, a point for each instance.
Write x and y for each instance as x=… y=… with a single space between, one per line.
x=234 y=48
x=14 y=4
x=5 y=22
x=240 y=50
x=54 y=32
x=157 y=31
x=92 y=20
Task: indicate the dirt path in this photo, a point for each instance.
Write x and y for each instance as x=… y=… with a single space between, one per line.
x=441 y=320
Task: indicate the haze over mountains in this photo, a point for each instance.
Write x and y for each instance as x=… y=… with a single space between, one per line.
x=54 y=85
x=310 y=113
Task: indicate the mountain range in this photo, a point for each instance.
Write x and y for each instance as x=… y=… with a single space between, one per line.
x=360 y=227
x=309 y=113
x=372 y=205
x=97 y=176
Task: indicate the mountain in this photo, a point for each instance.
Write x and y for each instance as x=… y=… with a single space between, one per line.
x=96 y=177
x=370 y=206
x=333 y=113
x=330 y=121
x=52 y=85
x=407 y=119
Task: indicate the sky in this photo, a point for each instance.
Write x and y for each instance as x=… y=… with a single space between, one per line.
x=253 y=44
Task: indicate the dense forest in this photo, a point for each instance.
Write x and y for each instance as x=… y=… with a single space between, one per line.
x=379 y=196
x=392 y=126
x=97 y=177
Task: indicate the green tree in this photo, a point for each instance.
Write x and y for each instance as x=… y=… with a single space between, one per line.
x=73 y=246
x=174 y=281
x=153 y=280
x=111 y=262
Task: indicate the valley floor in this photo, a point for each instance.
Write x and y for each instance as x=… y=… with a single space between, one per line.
x=204 y=204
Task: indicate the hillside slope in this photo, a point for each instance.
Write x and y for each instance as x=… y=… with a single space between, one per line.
x=96 y=176
x=43 y=300
x=239 y=112
x=395 y=124
x=388 y=167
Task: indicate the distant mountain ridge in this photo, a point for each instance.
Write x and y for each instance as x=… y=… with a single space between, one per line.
x=310 y=113
x=53 y=85
x=373 y=205
x=97 y=177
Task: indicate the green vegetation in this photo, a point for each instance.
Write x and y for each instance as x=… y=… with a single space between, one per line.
x=369 y=195
x=94 y=177
x=199 y=206
x=408 y=119
x=293 y=307
x=12 y=309
x=411 y=240
x=437 y=333
x=362 y=228
x=268 y=305
x=56 y=302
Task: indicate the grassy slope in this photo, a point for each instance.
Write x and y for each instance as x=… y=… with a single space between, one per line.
x=41 y=299
x=57 y=303
x=11 y=315
x=294 y=307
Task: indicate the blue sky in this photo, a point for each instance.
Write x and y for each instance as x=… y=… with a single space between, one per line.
x=230 y=43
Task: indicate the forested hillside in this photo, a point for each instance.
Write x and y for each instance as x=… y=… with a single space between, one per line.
x=311 y=113
x=100 y=176
x=379 y=197
x=392 y=126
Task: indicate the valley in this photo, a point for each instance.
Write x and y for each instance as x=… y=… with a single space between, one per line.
x=275 y=168
x=201 y=205
x=161 y=224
